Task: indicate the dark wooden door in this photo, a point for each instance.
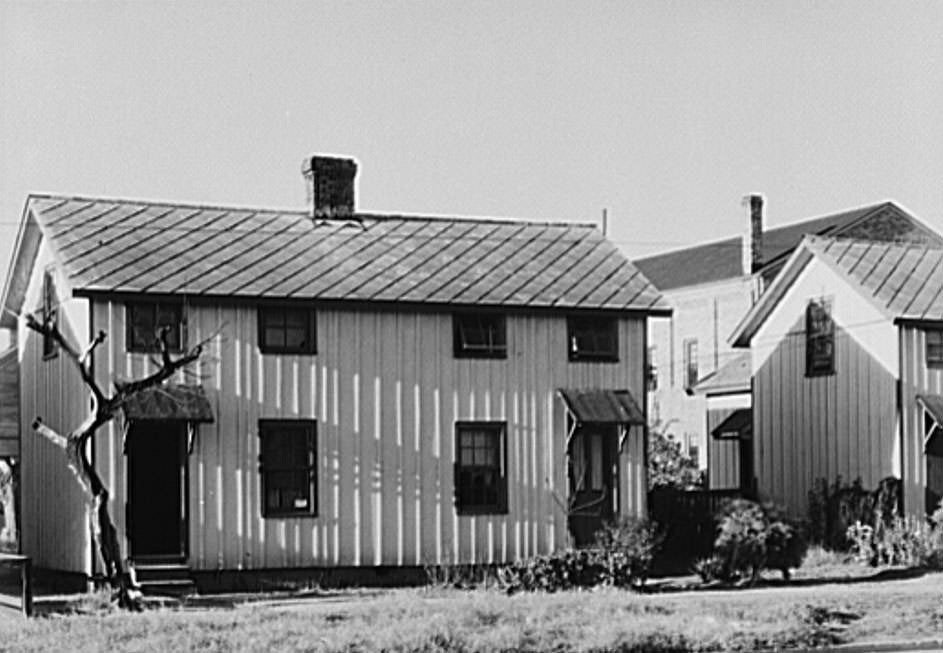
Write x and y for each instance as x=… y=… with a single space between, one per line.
x=157 y=489
x=934 y=490
x=593 y=480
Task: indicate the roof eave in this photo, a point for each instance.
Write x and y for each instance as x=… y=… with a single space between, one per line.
x=25 y=248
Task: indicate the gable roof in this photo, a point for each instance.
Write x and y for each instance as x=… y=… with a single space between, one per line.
x=127 y=246
x=903 y=281
x=723 y=259
x=733 y=377
x=694 y=265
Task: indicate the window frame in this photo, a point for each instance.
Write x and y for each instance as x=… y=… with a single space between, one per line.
x=933 y=362
x=49 y=308
x=819 y=328
x=498 y=430
x=576 y=324
x=692 y=368
x=310 y=318
x=310 y=428
x=134 y=305
x=461 y=349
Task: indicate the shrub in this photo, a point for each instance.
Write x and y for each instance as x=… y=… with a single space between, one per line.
x=668 y=465
x=906 y=541
x=752 y=537
x=834 y=509
x=710 y=569
x=627 y=546
x=621 y=557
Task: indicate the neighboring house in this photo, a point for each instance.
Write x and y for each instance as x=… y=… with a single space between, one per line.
x=712 y=286
x=847 y=359
x=9 y=447
x=729 y=425
x=376 y=391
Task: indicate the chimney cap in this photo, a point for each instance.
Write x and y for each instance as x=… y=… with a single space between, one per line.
x=317 y=162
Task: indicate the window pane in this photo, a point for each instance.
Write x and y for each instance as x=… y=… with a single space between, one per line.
x=296 y=338
x=286 y=457
x=297 y=319
x=480 y=334
x=592 y=338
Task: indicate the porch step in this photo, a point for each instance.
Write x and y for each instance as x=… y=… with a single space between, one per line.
x=164 y=579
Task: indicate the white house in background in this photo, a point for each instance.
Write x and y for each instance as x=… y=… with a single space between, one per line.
x=712 y=286
x=847 y=360
x=378 y=392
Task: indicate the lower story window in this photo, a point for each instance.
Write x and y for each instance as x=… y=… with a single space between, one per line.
x=480 y=478
x=287 y=467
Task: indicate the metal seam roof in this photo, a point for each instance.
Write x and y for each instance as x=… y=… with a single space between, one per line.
x=131 y=246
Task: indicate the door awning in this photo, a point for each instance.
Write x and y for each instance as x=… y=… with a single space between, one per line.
x=739 y=421
x=170 y=402
x=602 y=406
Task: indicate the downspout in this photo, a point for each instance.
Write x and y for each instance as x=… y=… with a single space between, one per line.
x=644 y=494
x=91 y=456
x=899 y=418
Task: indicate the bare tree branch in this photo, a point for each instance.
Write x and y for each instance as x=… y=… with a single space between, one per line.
x=103 y=410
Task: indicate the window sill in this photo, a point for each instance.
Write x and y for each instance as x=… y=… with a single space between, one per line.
x=269 y=351
x=591 y=358
x=478 y=511
x=467 y=355
x=288 y=515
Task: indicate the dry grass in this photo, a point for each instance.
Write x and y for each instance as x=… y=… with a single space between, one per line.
x=440 y=620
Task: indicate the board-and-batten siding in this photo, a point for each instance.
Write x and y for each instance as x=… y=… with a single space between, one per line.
x=822 y=427
x=723 y=457
x=386 y=392
x=54 y=526
x=916 y=378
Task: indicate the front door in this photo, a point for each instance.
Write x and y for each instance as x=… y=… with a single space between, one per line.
x=593 y=480
x=157 y=489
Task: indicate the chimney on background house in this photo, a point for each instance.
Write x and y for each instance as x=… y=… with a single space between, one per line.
x=756 y=233
x=330 y=185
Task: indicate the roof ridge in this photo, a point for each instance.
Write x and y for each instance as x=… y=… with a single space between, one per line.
x=393 y=215
x=902 y=242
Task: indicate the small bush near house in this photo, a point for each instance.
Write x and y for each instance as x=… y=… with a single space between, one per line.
x=621 y=558
x=834 y=508
x=906 y=541
x=752 y=537
x=628 y=546
x=669 y=465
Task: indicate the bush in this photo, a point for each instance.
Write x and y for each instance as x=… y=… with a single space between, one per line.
x=834 y=509
x=906 y=541
x=627 y=546
x=752 y=537
x=668 y=465
x=621 y=557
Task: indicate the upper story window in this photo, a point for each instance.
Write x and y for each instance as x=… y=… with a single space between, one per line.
x=592 y=338
x=287 y=330
x=145 y=321
x=480 y=335
x=934 y=347
x=691 y=371
x=50 y=314
x=288 y=467
x=820 y=339
x=481 y=485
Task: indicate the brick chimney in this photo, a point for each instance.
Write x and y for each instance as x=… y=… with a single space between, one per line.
x=756 y=232
x=330 y=184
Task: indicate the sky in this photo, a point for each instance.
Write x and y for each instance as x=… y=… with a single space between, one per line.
x=666 y=114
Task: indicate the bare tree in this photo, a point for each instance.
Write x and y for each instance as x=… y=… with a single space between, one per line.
x=103 y=410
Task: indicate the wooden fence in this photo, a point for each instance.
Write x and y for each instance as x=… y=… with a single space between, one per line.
x=686 y=519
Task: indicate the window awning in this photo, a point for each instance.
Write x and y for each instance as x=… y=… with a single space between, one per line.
x=602 y=406
x=170 y=402
x=933 y=426
x=739 y=421
x=933 y=404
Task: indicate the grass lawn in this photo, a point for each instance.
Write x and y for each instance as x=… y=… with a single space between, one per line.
x=481 y=620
